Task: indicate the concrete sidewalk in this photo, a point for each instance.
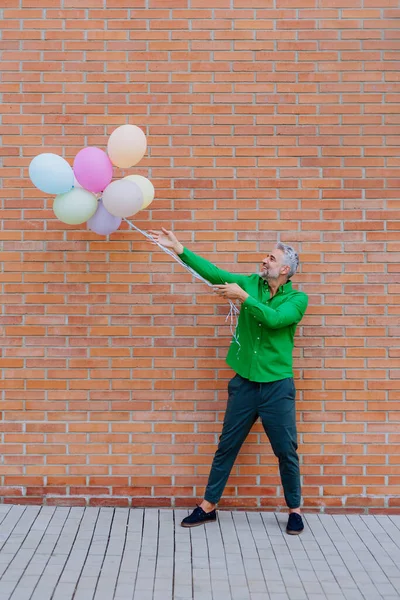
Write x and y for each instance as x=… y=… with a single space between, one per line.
x=49 y=553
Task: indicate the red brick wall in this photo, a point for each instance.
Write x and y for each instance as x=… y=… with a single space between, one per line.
x=277 y=120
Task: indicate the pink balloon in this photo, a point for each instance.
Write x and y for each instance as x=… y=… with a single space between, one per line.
x=103 y=222
x=93 y=169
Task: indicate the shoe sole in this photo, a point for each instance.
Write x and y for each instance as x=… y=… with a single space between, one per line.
x=187 y=525
x=291 y=532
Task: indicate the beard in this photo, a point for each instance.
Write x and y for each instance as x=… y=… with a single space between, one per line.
x=266 y=275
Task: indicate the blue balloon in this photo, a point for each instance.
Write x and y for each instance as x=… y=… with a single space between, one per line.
x=51 y=173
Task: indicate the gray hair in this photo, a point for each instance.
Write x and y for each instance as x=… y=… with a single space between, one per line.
x=290 y=258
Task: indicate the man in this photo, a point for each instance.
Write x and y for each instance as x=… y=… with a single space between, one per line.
x=261 y=356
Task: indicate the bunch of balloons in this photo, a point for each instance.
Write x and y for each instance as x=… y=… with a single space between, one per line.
x=86 y=192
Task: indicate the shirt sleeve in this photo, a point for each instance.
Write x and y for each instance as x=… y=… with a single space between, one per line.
x=288 y=313
x=209 y=271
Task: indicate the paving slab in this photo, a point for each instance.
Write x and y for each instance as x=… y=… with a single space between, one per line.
x=61 y=553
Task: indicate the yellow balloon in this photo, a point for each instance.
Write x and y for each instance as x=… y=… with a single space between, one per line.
x=126 y=146
x=75 y=207
x=146 y=186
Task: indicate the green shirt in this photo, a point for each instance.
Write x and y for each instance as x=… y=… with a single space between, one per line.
x=266 y=325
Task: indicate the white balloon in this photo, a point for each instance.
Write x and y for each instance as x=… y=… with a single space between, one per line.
x=77 y=184
x=122 y=198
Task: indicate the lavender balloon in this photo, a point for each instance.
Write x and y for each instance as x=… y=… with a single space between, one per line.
x=103 y=222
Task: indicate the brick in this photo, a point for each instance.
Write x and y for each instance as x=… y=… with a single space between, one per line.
x=113 y=360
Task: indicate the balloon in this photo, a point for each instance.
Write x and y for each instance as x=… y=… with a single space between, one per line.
x=75 y=207
x=123 y=198
x=51 y=173
x=93 y=169
x=76 y=183
x=126 y=146
x=103 y=222
x=146 y=186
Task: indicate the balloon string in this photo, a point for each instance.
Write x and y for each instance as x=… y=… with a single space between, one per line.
x=232 y=316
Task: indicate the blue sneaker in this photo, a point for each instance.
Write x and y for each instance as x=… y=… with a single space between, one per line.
x=198 y=517
x=295 y=524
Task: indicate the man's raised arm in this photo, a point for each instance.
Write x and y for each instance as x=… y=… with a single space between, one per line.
x=202 y=266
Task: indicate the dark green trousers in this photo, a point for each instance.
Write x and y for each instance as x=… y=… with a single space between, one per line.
x=274 y=403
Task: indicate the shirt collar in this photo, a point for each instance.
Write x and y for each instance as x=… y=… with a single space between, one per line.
x=285 y=288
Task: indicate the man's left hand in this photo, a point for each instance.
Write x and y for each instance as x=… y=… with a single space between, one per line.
x=231 y=291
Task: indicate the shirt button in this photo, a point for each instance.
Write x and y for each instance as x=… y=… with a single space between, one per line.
x=258 y=338
x=255 y=351
x=259 y=324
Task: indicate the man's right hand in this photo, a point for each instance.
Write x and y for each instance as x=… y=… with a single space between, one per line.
x=167 y=239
